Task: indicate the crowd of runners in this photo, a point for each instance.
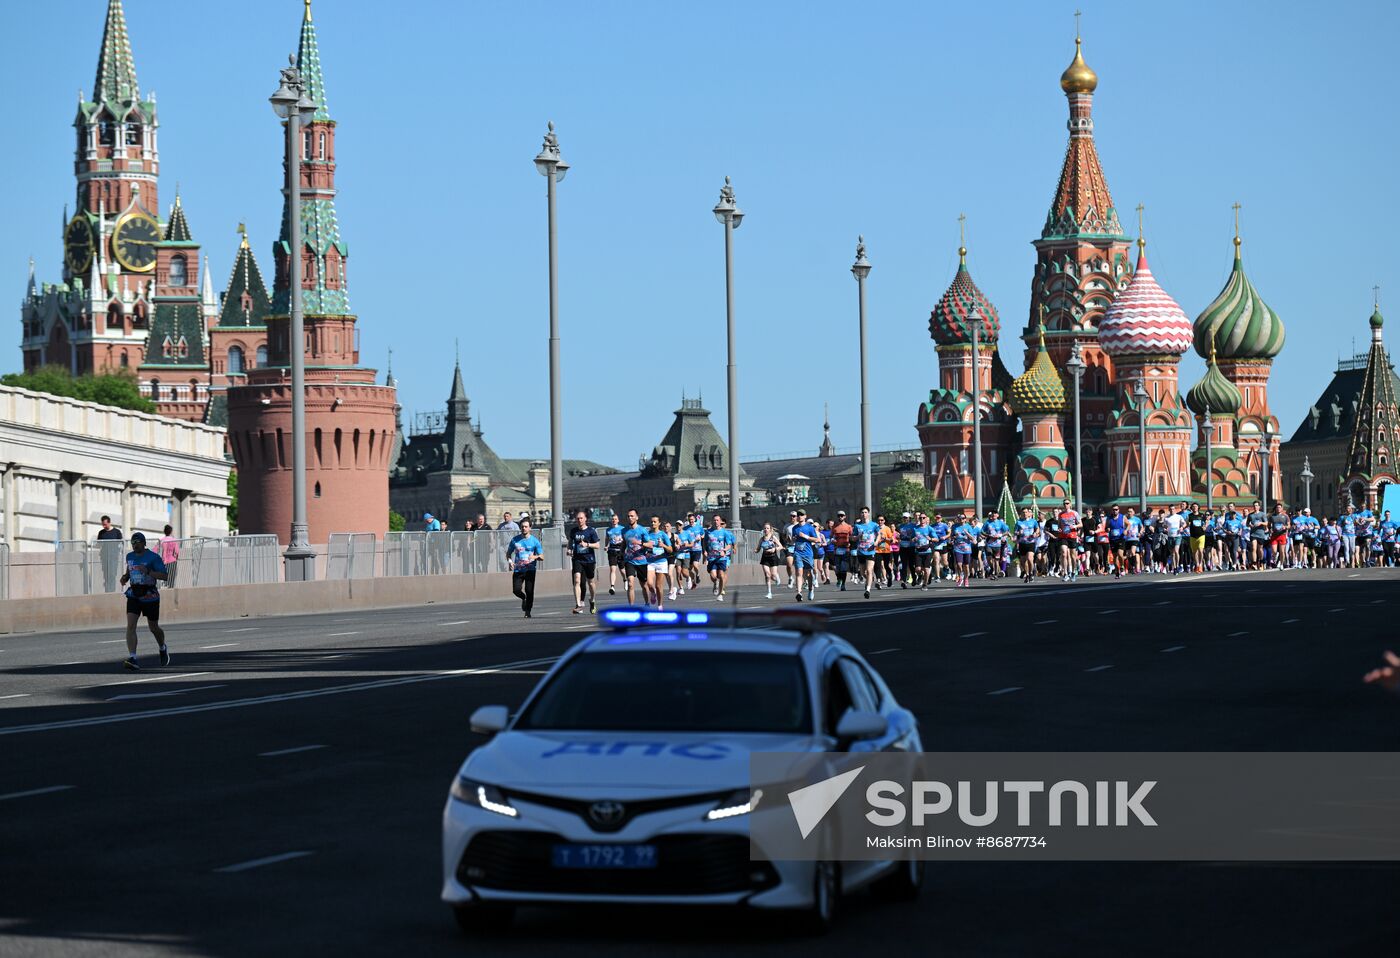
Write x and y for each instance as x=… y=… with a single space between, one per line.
x=654 y=560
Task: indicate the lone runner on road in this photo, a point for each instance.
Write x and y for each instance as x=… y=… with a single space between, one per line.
x=143 y=569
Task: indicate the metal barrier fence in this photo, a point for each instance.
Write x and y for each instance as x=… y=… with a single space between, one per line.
x=4 y=570
x=351 y=555
x=88 y=568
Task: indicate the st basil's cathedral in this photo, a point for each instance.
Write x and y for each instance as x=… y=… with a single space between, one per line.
x=1090 y=295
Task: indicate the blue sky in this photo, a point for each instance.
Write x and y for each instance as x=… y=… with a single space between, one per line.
x=833 y=119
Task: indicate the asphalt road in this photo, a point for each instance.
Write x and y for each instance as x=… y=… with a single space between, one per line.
x=278 y=788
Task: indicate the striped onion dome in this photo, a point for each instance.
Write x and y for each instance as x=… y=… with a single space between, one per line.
x=948 y=324
x=1143 y=319
x=1239 y=322
x=1214 y=392
x=1039 y=389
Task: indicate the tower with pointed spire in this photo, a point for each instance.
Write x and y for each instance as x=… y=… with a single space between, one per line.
x=349 y=415
x=1375 y=440
x=944 y=420
x=238 y=338
x=1082 y=263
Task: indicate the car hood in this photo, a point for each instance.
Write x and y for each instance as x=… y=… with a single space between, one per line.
x=624 y=760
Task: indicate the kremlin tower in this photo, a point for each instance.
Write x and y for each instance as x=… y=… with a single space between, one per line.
x=349 y=418
x=1245 y=335
x=945 y=420
x=1144 y=332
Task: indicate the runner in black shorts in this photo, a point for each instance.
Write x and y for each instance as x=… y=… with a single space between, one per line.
x=143 y=570
x=613 y=536
x=583 y=548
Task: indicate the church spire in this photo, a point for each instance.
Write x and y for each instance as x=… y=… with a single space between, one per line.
x=1082 y=205
x=1370 y=456
x=116 y=69
x=827 y=447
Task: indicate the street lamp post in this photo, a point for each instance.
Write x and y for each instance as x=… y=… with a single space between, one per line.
x=974 y=320
x=861 y=270
x=291 y=103
x=1140 y=394
x=728 y=213
x=1075 y=364
x=1307 y=476
x=552 y=167
x=1264 y=466
x=1210 y=456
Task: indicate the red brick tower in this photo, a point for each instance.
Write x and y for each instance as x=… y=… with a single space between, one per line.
x=1081 y=263
x=349 y=419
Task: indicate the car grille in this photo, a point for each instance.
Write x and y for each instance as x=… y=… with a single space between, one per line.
x=686 y=865
x=630 y=810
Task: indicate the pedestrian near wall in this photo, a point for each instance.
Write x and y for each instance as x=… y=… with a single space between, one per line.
x=109 y=540
x=169 y=551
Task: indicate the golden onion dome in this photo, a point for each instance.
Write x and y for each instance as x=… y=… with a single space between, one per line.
x=1078 y=78
x=1039 y=389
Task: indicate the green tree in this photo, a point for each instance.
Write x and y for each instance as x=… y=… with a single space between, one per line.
x=233 y=499
x=906 y=496
x=116 y=388
x=396 y=522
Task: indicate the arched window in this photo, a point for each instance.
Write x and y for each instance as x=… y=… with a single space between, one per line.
x=106 y=133
x=235 y=359
x=179 y=271
x=261 y=356
x=125 y=362
x=133 y=134
x=318 y=490
x=306 y=145
x=322 y=145
x=167 y=348
x=182 y=348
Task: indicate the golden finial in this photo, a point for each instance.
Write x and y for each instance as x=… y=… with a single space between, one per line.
x=243 y=232
x=1375 y=293
x=308 y=11
x=1078 y=78
x=177 y=192
x=1142 y=243
x=1212 y=351
x=962 y=239
x=1236 y=208
x=1077 y=15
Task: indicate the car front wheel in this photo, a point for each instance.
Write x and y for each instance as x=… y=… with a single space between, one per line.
x=826 y=896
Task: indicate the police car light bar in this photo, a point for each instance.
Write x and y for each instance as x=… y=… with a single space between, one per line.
x=795 y=618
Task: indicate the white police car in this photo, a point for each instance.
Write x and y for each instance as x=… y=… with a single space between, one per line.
x=625 y=775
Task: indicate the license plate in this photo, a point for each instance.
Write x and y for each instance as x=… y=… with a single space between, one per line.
x=604 y=856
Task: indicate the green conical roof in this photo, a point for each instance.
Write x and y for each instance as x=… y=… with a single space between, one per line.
x=1377 y=320
x=1239 y=323
x=245 y=300
x=309 y=64
x=178 y=229
x=1039 y=389
x=1214 y=392
x=116 y=69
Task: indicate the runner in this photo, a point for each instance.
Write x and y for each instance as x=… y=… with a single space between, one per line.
x=1133 y=531
x=964 y=535
x=804 y=539
x=1027 y=532
x=1364 y=518
x=144 y=569
x=941 y=537
x=867 y=542
x=659 y=550
x=616 y=562
x=788 y=556
x=1069 y=529
x=1390 y=538
x=1348 y=527
x=769 y=546
x=1257 y=525
x=884 y=558
x=635 y=549
x=1196 y=532
x=584 y=552
x=841 y=532
x=697 y=549
x=1279 y=524
x=680 y=542
x=1233 y=524
x=924 y=543
x=524 y=553
x=719 y=547
x=905 y=550
x=996 y=532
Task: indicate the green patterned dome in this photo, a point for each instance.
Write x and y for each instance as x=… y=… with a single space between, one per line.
x=1039 y=389
x=1214 y=392
x=1239 y=323
x=1377 y=320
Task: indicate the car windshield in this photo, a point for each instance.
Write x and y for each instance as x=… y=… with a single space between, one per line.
x=674 y=692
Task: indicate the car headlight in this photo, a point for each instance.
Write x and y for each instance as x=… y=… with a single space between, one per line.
x=741 y=802
x=488 y=797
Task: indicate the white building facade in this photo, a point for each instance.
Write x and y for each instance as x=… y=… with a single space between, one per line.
x=65 y=463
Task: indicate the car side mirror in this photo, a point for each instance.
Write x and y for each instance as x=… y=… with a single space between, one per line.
x=856 y=726
x=490 y=719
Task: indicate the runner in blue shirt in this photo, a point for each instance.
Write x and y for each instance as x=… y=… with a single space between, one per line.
x=658 y=549
x=867 y=536
x=635 y=551
x=680 y=577
x=523 y=553
x=1389 y=531
x=697 y=549
x=924 y=543
x=1117 y=525
x=908 y=564
x=1027 y=531
x=804 y=540
x=616 y=561
x=1133 y=530
x=942 y=532
x=998 y=558
x=1233 y=524
x=1364 y=519
x=1348 y=527
x=144 y=570
x=963 y=535
x=719 y=547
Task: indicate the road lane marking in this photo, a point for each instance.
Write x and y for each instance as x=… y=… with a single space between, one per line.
x=290 y=751
x=1377 y=601
x=1047 y=621
x=1236 y=635
x=336 y=635
x=154 y=678
x=882 y=651
x=1165 y=602
x=1173 y=648
x=17 y=695
x=1108 y=612
x=1353 y=575
x=251 y=628
x=1098 y=668
x=221 y=645
x=37 y=791
x=1009 y=688
x=109 y=641
x=259 y=862
x=1291 y=621
x=971 y=635
x=162 y=695
x=459 y=622
x=504 y=667
x=1336 y=610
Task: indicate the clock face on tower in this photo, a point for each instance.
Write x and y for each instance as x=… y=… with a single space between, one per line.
x=77 y=244
x=134 y=242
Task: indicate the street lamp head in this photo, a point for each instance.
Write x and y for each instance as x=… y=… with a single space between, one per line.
x=549 y=160
x=861 y=269
x=1307 y=472
x=1140 y=390
x=727 y=209
x=291 y=93
x=1075 y=363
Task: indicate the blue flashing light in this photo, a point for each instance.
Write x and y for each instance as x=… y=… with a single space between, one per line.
x=697 y=618
x=622 y=616
x=661 y=618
